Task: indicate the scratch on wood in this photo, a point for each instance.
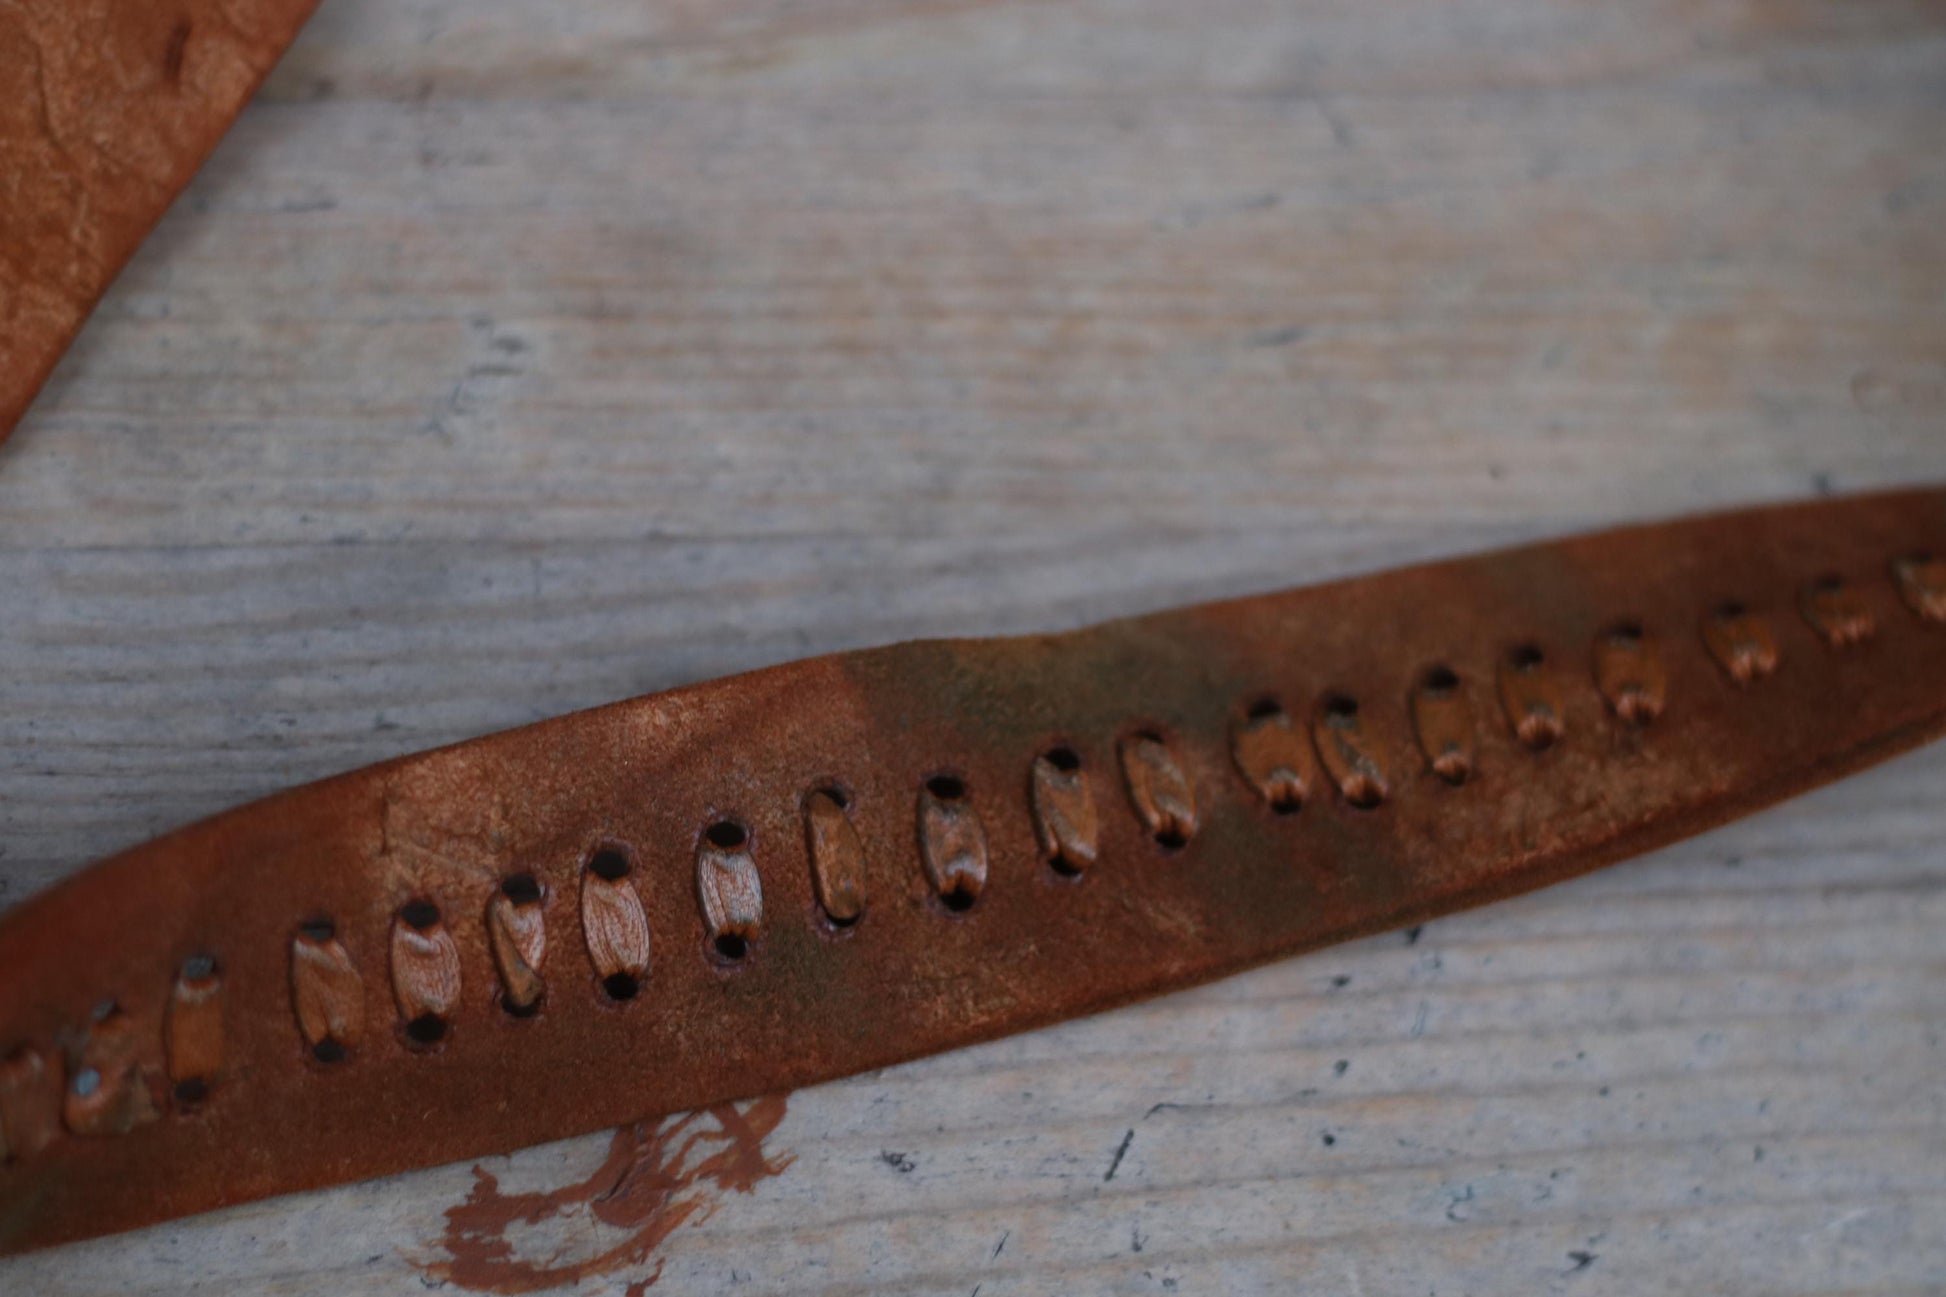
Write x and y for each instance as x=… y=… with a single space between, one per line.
x=1120 y=1153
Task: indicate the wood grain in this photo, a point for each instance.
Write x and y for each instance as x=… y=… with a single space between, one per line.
x=511 y=358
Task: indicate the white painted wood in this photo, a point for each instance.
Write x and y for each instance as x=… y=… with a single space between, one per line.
x=511 y=358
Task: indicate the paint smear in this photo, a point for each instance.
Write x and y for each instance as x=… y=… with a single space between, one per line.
x=657 y=1177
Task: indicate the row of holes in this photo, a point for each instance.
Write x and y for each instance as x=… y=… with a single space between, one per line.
x=612 y=863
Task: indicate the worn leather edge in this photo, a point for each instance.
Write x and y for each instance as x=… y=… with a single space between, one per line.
x=809 y=1000
x=107 y=108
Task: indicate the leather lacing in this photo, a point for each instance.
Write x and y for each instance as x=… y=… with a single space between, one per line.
x=1278 y=759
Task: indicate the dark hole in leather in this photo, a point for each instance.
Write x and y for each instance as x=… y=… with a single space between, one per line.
x=1440 y=680
x=959 y=900
x=1061 y=865
x=521 y=889
x=838 y=796
x=1625 y=634
x=1365 y=797
x=609 y=863
x=1171 y=840
x=1525 y=657
x=199 y=968
x=520 y=1010
x=620 y=986
x=420 y=915
x=732 y=947
x=1341 y=707
x=318 y=929
x=191 y=1091
x=1829 y=583
x=426 y=1029
x=1263 y=709
x=328 y=1051
x=1286 y=803
x=1730 y=608
x=726 y=834
x=947 y=788
x=1063 y=759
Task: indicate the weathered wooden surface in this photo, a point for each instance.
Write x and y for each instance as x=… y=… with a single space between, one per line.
x=510 y=358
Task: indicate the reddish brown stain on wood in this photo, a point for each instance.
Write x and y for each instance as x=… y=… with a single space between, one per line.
x=657 y=1176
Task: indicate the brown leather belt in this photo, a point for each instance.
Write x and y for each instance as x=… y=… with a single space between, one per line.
x=787 y=876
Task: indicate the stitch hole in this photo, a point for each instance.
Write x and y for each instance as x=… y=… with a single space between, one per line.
x=521 y=889
x=1263 y=709
x=1525 y=657
x=610 y=864
x=726 y=834
x=732 y=947
x=1439 y=681
x=1067 y=761
x=426 y=1029
x=1625 y=634
x=1730 y=609
x=959 y=900
x=318 y=929
x=947 y=788
x=420 y=916
x=328 y=1050
x=191 y=1091
x=1341 y=707
x=620 y=986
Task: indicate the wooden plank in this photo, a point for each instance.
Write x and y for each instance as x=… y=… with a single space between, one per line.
x=508 y=360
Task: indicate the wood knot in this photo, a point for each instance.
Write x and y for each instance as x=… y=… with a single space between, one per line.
x=952 y=842
x=326 y=991
x=1065 y=819
x=837 y=856
x=1741 y=642
x=1159 y=789
x=1838 y=611
x=613 y=923
x=517 y=937
x=1629 y=672
x=729 y=889
x=1273 y=756
x=425 y=972
x=1443 y=719
x=1351 y=755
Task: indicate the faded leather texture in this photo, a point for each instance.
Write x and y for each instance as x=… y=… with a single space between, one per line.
x=389 y=886
x=107 y=108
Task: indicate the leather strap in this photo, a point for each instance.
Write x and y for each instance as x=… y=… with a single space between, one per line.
x=107 y=107
x=787 y=876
